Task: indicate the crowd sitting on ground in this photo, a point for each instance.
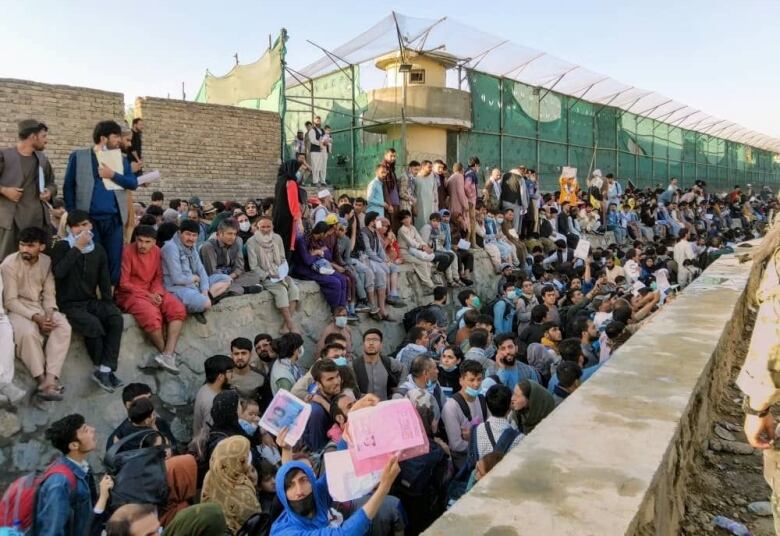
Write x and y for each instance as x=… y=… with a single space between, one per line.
x=481 y=379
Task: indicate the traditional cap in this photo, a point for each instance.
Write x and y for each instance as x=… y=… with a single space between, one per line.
x=322 y=194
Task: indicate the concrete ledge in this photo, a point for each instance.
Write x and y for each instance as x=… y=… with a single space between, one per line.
x=613 y=459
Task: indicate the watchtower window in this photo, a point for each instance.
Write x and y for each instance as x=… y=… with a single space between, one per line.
x=417 y=76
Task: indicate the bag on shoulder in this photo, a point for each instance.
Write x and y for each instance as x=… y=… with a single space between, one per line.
x=258 y=524
x=18 y=503
x=139 y=474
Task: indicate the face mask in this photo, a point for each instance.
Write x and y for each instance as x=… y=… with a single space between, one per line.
x=472 y=392
x=305 y=507
x=244 y=226
x=499 y=220
x=429 y=386
x=341 y=321
x=248 y=427
x=299 y=175
x=448 y=369
x=340 y=361
x=476 y=302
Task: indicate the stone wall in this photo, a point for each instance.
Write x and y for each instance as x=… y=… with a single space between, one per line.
x=70 y=113
x=615 y=457
x=22 y=444
x=213 y=151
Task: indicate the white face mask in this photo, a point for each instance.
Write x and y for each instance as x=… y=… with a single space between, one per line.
x=244 y=226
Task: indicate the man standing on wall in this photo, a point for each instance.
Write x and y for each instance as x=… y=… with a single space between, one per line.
x=137 y=142
x=26 y=185
x=85 y=189
x=318 y=153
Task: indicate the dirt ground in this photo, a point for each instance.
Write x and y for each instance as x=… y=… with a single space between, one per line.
x=724 y=483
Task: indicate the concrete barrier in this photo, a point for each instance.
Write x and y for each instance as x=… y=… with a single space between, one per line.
x=614 y=457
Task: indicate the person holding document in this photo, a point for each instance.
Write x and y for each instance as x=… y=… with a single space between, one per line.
x=26 y=185
x=95 y=181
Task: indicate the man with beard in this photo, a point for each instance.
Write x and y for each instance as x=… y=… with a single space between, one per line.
x=26 y=185
x=30 y=301
x=327 y=378
x=219 y=372
x=318 y=155
x=85 y=189
x=390 y=190
x=247 y=379
x=508 y=369
x=224 y=255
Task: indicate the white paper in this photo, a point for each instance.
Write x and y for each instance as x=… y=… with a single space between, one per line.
x=582 y=249
x=41 y=180
x=113 y=160
x=637 y=286
x=464 y=244
x=569 y=172
x=283 y=270
x=148 y=177
x=343 y=483
x=286 y=411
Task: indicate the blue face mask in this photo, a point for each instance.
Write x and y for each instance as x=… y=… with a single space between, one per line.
x=476 y=302
x=473 y=392
x=340 y=361
x=248 y=427
x=299 y=175
x=448 y=369
x=429 y=386
x=341 y=321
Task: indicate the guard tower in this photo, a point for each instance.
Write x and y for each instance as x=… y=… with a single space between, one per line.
x=416 y=105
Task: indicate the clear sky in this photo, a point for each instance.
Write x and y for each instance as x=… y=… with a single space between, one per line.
x=720 y=56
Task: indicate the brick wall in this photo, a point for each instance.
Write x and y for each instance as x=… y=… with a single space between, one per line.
x=214 y=152
x=70 y=113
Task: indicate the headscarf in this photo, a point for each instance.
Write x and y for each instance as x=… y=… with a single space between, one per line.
x=204 y=519
x=540 y=405
x=224 y=413
x=541 y=358
x=231 y=481
x=181 y=473
x=282 y=217
x=289 y=522
x=270 y=256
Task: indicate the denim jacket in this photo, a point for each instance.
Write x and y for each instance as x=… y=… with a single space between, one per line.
x=59 y=512
x=180 y=263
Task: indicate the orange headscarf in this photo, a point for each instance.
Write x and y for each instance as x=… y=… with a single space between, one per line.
x=182 y=475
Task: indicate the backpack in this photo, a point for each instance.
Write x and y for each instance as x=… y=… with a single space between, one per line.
x=258 y=524
x=464 y=406
x=410 y=317
x=139 y=474
x=19 y=500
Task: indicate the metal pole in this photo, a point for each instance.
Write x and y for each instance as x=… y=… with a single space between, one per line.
x=352 y=132
x=282 y=91
x=538 y=136
x=501 y=123
x=403 y=121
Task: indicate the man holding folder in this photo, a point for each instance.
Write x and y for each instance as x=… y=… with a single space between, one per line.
x=95 y=181
x=26 y=185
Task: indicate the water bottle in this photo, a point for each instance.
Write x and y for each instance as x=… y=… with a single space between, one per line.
x=734 y=527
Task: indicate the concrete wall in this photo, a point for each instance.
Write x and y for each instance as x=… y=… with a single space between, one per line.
x=70 y=113
x=614 y=458
x=22 y=444
x=216 y=152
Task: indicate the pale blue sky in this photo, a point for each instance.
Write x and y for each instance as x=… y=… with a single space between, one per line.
x=720 y=56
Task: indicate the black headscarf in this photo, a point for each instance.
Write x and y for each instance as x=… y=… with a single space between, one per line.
x=282 y=217
x=224 y=417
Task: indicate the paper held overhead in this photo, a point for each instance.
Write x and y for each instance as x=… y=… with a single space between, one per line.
x=146 y=178
x=568 y=172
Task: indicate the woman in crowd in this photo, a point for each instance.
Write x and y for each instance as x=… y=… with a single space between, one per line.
x=311 y=261
x=231 y=482
x=289 y=203
x=531 y=403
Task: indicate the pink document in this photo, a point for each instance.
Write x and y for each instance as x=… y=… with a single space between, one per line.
x=379 y=432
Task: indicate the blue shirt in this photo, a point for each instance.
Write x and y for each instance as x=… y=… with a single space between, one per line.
x=375 y=197
x=586 y=373
x=104 y=203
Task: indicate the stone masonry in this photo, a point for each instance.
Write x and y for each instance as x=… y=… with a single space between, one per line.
x=70 y=113
x=214 y=152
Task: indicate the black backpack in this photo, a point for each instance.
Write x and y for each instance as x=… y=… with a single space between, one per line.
x=258 y=524
x=139 y=474
x=410 y=317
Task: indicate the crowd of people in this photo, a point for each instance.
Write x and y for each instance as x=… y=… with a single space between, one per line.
x=482 y=371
